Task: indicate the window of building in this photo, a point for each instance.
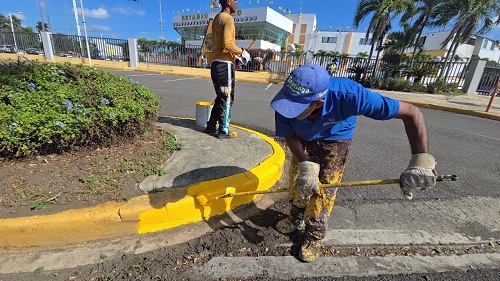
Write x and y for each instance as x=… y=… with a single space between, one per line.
x=302 y=39
x=364 y=41
x=485 y=43
x=247 y=31
x=492 y=48
x=303 y=29
x=328 y=39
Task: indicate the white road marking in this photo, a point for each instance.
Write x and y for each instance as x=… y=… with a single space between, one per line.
x=483 y=136
x=137 y=75
x=191 y=78
x=269 y=86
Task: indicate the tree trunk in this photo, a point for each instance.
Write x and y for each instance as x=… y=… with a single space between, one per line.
x=415 y=47
x=451 y=59
x=446 y=59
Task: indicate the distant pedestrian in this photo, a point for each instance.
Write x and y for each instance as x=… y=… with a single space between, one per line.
x=226 y=54
x=316 y=115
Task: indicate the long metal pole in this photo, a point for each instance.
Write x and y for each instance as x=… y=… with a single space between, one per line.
x=75 y=11
x=85 y=31
x=493 y=94
x=161 y=23
x=13 y=34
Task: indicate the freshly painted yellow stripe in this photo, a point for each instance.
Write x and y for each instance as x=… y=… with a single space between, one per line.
x=183 y=207
x=142 y=214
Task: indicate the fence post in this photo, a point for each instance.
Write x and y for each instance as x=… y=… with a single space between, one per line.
x=493 y=94
x=133 y=52
x=47 y=46
x=473 y=76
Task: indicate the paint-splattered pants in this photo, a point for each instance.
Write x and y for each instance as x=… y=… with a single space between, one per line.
x=332 y=157
x=222 y=74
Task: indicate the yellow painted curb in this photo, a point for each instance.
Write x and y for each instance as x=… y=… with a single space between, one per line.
x=142 y=214
x=471 y=112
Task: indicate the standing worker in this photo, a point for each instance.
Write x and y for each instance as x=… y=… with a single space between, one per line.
x=226 y=54
x=316 y=115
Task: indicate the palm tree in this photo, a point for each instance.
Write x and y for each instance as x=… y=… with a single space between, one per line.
x=469 y=17
x=42 y=26
x=400 y=41
x=382 y=12
x=421 y=13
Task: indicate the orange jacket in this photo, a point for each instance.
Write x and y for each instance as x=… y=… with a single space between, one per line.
x=224 y=38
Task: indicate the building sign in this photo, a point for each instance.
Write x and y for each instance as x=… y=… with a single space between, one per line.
x=202 y=19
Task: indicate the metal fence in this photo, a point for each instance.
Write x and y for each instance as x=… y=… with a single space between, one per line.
x=24 y=43
x=98 y=47
x=172 y=54
x=488 y=81
x=176 y=54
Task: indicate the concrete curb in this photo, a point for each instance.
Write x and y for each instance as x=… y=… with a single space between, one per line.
x=143 y=214
x=471 y=112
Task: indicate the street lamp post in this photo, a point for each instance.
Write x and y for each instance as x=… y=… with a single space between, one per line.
x=12 y=28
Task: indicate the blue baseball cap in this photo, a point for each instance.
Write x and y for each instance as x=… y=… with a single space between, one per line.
x=303 y=86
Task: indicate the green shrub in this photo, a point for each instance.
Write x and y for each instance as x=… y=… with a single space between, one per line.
x=418 y=88
x=440 y=87
x=47 y=108
x=396 y=84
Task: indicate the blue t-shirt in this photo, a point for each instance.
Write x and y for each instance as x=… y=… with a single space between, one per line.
x=344 y=101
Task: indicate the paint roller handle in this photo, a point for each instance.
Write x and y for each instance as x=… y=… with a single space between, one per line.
x=336 y=185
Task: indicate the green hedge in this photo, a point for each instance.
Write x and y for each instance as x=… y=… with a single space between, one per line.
x=47 y=108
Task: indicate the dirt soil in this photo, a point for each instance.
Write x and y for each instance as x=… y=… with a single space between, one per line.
x=59 y=175
x=85 y=177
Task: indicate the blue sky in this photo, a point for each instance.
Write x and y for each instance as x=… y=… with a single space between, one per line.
x=126 y=19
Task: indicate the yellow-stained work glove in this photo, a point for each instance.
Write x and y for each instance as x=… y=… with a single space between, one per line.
x=420 y=174
x=308 y=178
x=244 y=58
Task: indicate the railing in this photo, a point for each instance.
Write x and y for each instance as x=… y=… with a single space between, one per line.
x=488 y=81
x=99 y=47
x=175 y=54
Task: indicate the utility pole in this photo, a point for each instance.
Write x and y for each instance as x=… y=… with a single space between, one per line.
x=13 y=33
x=85 y=31
x=75 y=11
x=161 y=23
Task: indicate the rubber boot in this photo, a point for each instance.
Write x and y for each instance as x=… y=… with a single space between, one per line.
x=310 y=250
x=290 y=224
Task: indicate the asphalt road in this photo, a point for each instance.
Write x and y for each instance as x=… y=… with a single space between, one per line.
x=463 y=145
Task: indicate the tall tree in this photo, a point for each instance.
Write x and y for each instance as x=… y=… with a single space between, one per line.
x=42 y=26
x=468 y=17
x=422 y=15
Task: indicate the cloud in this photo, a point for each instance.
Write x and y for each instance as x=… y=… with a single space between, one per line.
x=99 y=13
x=100 y=28
x=128 y=11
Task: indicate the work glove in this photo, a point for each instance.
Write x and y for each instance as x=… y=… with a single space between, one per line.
x=244 y=58
x=420 y=174
x=308 y=178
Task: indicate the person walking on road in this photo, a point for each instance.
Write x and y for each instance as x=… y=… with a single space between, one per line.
x=316 y=115
x=226 y=54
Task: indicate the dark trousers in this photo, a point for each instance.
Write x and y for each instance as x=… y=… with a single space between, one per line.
x=222 y=74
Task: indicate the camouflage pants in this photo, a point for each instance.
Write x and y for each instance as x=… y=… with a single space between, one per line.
x=332 y=157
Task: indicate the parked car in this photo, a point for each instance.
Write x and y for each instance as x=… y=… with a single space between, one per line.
x=7 y=49
x=34 y=51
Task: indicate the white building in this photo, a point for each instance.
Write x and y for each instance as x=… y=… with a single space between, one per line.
x=269 y=28
x=477 y=45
